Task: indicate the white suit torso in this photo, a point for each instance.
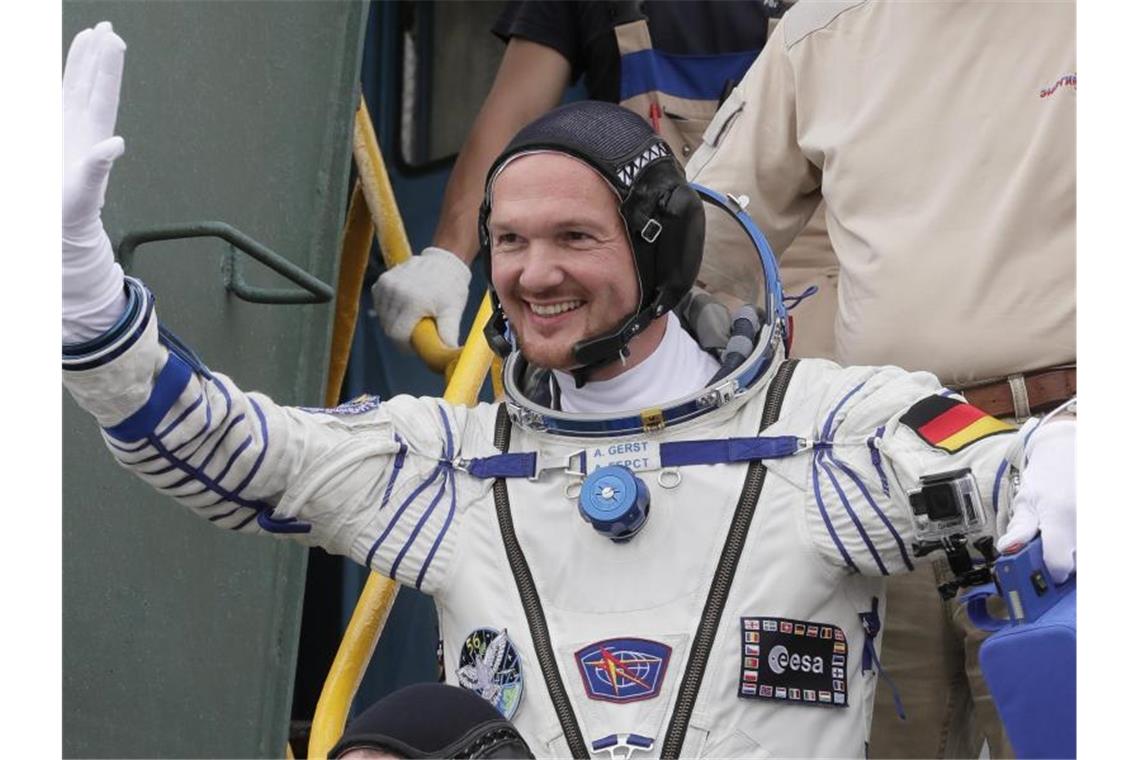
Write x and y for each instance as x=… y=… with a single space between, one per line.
x=378 y=483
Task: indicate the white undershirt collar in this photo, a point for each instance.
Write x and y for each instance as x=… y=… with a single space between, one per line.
x=677 y=368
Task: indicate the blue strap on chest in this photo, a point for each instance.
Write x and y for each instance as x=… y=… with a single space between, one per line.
x=673 y=454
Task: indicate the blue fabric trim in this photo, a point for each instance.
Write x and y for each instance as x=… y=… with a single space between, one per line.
x=870 y=501
x=230 y=495
x=396 y=467
x=827 y=431
x=180 y=418
x=696 y=77
x=233 y=457
x=271 y=524
x=637 y=740
x=448 y=453
x=168 y=386
x=854 y=518
x=205 y=432
x=427 y=513
x=125 y=332
x=400 y=511
x=673 y=454
x=997 y=484
x=450 y=476
x=877 y=459
x=222 y=439
x=791 y=302
x=175 y=345
x=518 y=465
x=816 y=463
x=129 y=449
x=249 y=518
x=680 y=453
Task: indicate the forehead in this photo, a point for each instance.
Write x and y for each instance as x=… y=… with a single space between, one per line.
x=551 y=184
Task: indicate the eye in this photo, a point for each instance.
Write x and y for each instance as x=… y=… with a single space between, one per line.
x=506 y=240
x=577 y=237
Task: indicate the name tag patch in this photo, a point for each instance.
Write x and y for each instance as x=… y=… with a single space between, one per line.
x=793 y=661
x=636 y=455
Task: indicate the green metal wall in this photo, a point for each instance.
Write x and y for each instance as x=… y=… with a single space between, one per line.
x=179 y=639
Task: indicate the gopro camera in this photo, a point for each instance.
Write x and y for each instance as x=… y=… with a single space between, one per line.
x=947 y=504
x=948 y=513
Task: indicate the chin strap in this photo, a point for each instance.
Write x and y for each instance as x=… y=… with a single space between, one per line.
x=594 y=353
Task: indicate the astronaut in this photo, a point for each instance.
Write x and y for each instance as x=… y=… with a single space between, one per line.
x=648 y=547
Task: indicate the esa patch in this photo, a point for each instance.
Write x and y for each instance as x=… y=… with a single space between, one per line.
x=793 y=661
x=489 y=665
x=951 y=425
x=623 y=670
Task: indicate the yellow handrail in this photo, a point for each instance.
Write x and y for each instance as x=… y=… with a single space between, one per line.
x=393 y=238
x=379 y=592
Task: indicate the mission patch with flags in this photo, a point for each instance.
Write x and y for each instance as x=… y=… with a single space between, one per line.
x=951 y=425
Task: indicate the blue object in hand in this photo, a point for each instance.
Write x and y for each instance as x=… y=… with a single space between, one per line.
x=1030 y=660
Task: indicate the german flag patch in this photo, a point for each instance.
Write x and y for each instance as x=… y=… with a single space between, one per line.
x=951 y=425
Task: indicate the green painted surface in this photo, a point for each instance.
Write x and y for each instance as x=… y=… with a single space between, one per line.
x=180 y=639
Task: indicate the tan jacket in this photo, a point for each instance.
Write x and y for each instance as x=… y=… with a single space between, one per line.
x=942 y=137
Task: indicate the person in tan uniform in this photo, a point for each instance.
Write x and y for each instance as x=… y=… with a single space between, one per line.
x=942 y=138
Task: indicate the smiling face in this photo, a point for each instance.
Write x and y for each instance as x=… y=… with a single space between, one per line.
x=561 y=263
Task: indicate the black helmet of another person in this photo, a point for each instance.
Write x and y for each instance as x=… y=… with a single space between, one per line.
x=433 y=720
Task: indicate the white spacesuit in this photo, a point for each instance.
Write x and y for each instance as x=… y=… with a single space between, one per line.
x=735 y=617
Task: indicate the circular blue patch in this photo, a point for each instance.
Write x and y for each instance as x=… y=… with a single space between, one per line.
x=489 y=665
x=614 y=501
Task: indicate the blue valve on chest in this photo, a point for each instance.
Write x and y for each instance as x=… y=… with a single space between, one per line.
x=615 y=502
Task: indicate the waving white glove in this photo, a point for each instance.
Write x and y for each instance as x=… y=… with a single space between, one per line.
x=93 y=297
x=1047 y=499
x=433 y=284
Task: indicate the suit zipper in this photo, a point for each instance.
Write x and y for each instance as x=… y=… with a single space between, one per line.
x=690 y=685
x=532 y=606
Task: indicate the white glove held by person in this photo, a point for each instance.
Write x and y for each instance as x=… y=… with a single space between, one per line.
x=1047 y=499
x=433 y=284
x=93 y=297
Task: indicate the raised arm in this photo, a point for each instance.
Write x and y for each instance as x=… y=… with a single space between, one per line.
x=369 y=480
x=531 y=80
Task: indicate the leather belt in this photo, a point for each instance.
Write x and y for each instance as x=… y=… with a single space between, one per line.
x=1024 y=394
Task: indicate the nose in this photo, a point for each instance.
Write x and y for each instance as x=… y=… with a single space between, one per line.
x=541 y=269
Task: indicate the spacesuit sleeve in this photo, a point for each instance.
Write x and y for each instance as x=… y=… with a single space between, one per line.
x=368 y=480
x=751 y=147
x=878 y=433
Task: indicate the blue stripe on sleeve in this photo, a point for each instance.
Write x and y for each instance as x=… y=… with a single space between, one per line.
x=697 y=77
x=419 y=525
x=447 y=455
x=403 y=507
x=182 y=417
x=442 y=532
x=997 y=484
x=870 y=501
x=168 y=386
x=828 y=433
x=204 y=432
x=396 y=467
x=221 y=440
x=854 y=518
x=816 y=460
